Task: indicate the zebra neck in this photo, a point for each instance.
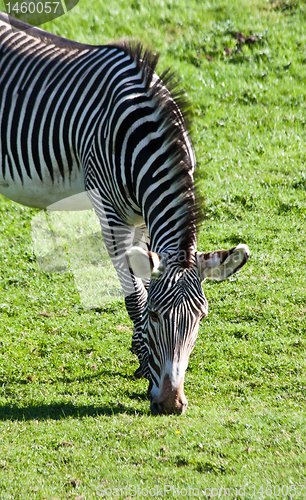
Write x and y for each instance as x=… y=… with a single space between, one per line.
x=175 y=235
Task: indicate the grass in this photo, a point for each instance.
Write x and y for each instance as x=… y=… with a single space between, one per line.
x=73 y=420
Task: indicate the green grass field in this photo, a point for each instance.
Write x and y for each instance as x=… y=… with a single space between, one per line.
x=74 y=423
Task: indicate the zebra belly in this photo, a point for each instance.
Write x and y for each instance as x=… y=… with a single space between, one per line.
x=40 y=193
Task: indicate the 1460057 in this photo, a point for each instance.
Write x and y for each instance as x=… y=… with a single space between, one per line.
x=278 y=491
x=32 y=8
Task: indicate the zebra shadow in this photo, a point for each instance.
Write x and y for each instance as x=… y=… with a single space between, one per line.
x=60 y=411
x=63 y=411
x=99 y=374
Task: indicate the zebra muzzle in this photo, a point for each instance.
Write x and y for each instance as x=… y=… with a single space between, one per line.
x=169 y=400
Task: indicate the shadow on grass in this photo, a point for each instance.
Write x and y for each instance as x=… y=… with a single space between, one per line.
x=140 y=396
x=65 y=379
x=89 y=378
x=62 y=411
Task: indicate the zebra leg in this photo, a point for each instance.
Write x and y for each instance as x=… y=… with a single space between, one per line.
x=141 y=239
x=135 y=303
x=118 y=238
x=135 y=299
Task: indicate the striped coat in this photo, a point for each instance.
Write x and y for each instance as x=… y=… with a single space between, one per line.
x=75 y=118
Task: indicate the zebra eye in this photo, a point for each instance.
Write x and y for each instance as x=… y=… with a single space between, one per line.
x=152 y=314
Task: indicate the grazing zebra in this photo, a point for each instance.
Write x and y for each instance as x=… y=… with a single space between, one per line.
x=78 y=118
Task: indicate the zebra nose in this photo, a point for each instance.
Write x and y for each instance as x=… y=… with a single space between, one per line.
x=170 y=399
x=178 y=406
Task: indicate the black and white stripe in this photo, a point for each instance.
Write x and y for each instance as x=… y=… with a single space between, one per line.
x=168 y=316
x=74 y=118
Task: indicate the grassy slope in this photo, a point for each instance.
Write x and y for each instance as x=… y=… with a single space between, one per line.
x=72 y=416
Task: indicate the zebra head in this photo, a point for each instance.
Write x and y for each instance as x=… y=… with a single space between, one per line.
x=172 y=314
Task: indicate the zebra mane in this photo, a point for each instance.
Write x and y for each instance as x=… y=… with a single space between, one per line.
x=146 y=61
x=174 y=111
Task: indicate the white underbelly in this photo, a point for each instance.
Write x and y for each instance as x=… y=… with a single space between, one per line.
x=37 y=193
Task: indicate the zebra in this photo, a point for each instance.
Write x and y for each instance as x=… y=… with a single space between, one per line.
x=78 y=118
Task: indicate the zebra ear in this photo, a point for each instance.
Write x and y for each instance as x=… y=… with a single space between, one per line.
x=145 y=264
x=221 y=264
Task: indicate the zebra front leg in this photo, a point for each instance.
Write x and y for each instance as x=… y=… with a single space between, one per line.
x=135 y=299
x=118 y=238
x=135 y=290
x=134 y=304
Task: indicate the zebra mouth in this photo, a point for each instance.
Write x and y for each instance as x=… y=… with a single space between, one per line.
x=169 y=399
x=166 y=409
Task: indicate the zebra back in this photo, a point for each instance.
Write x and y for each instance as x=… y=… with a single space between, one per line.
x=75 y=117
